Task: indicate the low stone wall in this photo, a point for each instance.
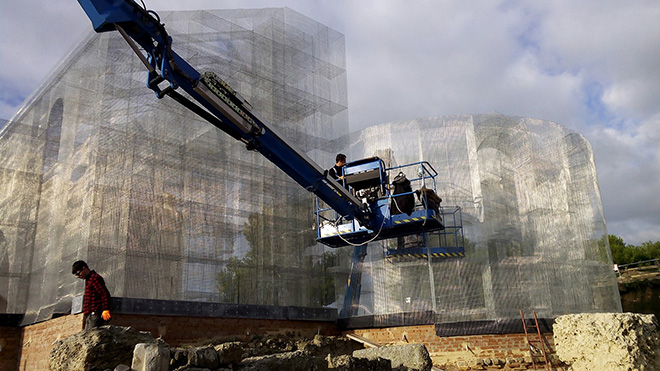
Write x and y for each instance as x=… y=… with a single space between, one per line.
x=585 y=341
x=608 y=341
x=475 y=351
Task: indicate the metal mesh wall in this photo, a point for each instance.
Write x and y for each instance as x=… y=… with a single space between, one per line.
x=160 y=203
x=535 y=234
x=164 y=206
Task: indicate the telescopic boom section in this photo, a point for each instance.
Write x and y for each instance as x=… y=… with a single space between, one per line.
x=220 y=104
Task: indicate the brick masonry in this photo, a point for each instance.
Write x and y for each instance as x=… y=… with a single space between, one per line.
x=457 y=348
x=36 y=340
x=10 y=338
x=177 y=331
x=28 y=348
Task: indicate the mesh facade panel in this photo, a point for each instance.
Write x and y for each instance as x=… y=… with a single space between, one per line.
x=165 y=206
x=534 y=229
x=159 y=202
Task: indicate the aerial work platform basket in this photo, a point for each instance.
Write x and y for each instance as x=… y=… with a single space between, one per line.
x=441 y=244
x=403 y=201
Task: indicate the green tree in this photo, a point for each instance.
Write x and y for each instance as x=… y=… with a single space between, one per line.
x=279 y=268
x=323 y=287
x=229 y=280
x=618 y=249
x=652 y=249
x=623 y=253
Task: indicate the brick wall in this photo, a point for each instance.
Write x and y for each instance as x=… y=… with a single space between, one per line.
x=454 y=348
x=178 y=331
x=37 y=340
x=10 y=338
x=33 y=343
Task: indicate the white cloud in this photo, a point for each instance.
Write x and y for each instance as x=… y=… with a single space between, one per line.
x=633 y=97
x=35 y=35
x=612 y=42
x=628 y=163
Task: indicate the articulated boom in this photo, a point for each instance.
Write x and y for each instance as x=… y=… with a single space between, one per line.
x=215 y=101
x=229 y=112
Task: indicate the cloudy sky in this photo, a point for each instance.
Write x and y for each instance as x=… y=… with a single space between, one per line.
x=590 y=65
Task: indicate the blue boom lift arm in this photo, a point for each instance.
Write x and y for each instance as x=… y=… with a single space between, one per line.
x=366 y=205
x=220 y=104
x=372 y=218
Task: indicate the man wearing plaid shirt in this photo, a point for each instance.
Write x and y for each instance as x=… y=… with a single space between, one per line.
x=96 y=299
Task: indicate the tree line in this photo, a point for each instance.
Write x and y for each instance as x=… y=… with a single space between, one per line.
x=623 y=253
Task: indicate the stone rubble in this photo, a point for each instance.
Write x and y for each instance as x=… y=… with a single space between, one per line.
x=97 y=349
x=414 y=357
x=101 y=350
x=583 y=342
x=608 y=341
x=150 y=357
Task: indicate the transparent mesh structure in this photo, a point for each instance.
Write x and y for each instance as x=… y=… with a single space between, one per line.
x=535 y=235
x=165 y=206
x=159 y=202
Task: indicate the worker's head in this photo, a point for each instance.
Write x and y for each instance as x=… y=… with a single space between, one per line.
x=340 y=159
x=80 y=269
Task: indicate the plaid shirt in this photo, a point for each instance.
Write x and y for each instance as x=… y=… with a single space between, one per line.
x=96 y=297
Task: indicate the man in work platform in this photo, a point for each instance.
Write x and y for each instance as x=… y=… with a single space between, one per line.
x=336 y=172
x=96 y=300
